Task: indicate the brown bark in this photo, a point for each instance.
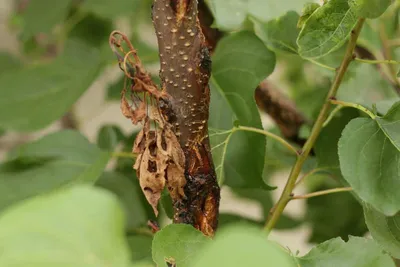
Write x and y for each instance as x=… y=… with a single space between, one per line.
x=282 y=110
x=212 y=35
x=185 y=72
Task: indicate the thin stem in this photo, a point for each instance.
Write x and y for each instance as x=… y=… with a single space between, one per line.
x=354 y=105
x=321 y=64
x=221 y=177
x=332 y=115
x=271 y=135
x=284 y=199
x=324 y=192
x=308 y=174
x=123 y=155
x=219 y=132
x=371 y=61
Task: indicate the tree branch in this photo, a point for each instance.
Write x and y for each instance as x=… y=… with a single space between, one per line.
x=185 y=72
x=277 y=210
x=282 y=110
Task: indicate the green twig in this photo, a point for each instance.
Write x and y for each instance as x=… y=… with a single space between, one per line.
x=225 y=149
x=322 y=193
x=332 y=115
x=271 y=135
x=286 y=196
x=246 y=129
x=321 y=64
x=371 y=61
x=354 y=105
x=308 y=174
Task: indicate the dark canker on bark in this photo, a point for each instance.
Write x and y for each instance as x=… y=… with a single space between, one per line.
x=185 y=72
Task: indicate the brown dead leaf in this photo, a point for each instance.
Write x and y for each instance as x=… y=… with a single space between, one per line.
x=151 y=171
x=160 y=162
x=176 y=181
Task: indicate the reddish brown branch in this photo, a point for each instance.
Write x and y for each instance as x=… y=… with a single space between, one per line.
x=212 y=35
x=282 y=110
x=185 y=72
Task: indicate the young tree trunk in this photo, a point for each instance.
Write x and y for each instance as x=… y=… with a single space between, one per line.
x=185 y=72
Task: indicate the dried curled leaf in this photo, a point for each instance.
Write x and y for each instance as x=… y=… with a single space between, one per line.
x=135 y=115
x=150 y=167
x=160 y=162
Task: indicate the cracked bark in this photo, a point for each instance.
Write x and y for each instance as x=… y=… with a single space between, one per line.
x=185 y=72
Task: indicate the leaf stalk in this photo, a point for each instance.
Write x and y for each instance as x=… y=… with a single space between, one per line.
x=323 y=192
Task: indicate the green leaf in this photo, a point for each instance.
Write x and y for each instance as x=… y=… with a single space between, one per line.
x=369 y=37
x=334 y=215
x=370 y=164
x=177 y=243
x=369 y=8
x=306 y=12
x=241 y=245
x=144 y=263
x=384 y=106
x=326 y=29
x=33 y=97
x=127 y=192
x=8 y=62
x=166 y=203
x=140 y=246
x=230 y=15
x=241 y=61
x=94 y=31
x=55 y=161
x=226 y=219
x=75 y=227
x=280 y=33
x=385 y=230
x=357 y=252
x=326 y=146
x=114 y=89
x=124 y=166
x=109 y=137
x=111 y=9
x=365 y=87
x=264 y=200
x=37 y=19
x=390 y=124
